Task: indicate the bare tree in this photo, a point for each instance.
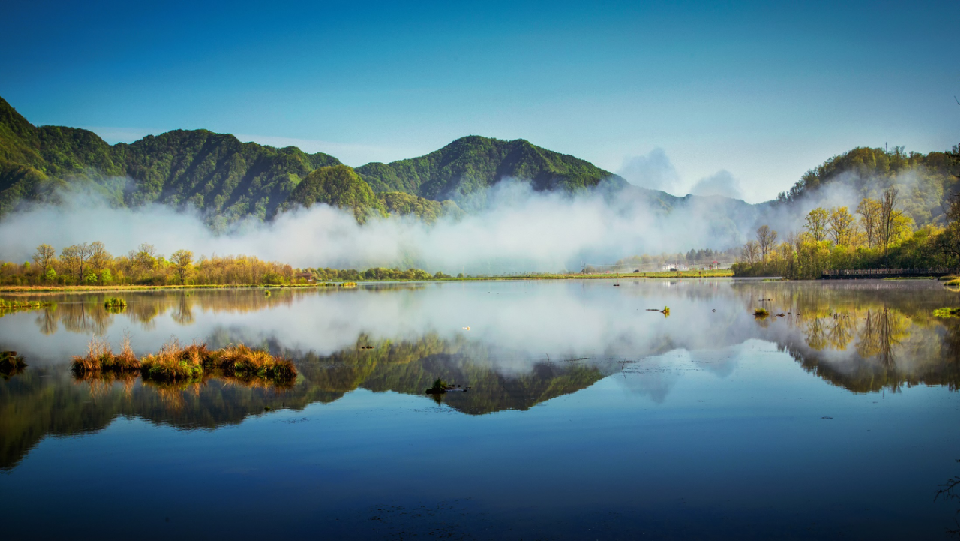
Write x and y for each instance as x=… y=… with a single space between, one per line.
x=888 y=217
x=750 y=251
x=869 y=211
x=766 y=239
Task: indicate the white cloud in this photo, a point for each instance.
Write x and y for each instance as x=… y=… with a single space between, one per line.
x=721 y=183
x=653 y=170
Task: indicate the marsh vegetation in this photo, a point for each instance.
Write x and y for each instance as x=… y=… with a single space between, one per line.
x=176 y=362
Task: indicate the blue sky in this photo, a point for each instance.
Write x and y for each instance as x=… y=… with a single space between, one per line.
x=745 y=95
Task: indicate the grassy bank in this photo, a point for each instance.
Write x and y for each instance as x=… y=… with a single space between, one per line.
x=11 y=306
x=724 y=273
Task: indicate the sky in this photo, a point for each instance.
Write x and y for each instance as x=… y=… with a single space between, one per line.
x=737 y=98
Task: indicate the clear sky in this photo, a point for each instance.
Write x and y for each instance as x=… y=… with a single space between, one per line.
x=744 y=95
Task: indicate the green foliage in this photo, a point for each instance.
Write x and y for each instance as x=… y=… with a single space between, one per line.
x=926 y=180
x=115 y=304
x=472 y=163
x=212 y=172
x=338 y=186
x=429 y=211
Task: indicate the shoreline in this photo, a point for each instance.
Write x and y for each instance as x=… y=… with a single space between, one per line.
x=331 y=284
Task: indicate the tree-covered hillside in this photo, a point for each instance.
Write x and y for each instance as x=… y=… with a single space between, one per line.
x=472 y=163
x=228 y=180
x=214 y=173
x=338 y=186
x=925 y=181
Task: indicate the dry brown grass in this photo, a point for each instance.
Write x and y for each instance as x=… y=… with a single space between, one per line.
x=101 y=358
x=243 y=361
x=178 y=363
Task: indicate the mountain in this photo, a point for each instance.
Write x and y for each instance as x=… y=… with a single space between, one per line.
x=473 y=163
x=339 y=186
x=214 y=173
x=227 y=180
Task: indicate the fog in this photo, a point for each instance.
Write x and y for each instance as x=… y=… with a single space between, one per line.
x=514 y=229
x=510 y=228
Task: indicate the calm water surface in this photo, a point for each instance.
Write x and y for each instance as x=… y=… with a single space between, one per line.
x=588 y=416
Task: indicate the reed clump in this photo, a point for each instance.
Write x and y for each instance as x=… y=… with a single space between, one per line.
x=175 y=362
x=760 y=313
x=244 y=362
x=946 y=312
x=115 y=304
x=101 y=358
x=178 y=363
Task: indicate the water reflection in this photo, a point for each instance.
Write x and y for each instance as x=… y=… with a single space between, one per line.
x=528 y=343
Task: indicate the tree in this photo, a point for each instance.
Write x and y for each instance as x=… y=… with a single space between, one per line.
x=841 y=226
x=44 y=258
x=75 y=258
x=145 y=257
x=817 y=223
x=750 y=251
x=99 y=258
x=889 y=217
x=869 y=211
x=182 y=261
x=766 y=239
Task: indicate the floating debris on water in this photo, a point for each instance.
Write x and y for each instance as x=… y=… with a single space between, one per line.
x=442 y=387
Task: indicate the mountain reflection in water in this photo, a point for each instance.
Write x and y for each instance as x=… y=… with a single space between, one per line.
x=529 y=342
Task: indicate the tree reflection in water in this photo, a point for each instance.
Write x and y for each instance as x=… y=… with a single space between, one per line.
x=946 y=492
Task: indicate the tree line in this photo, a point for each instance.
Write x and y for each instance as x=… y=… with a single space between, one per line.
x=91 y=264
x=877 y=234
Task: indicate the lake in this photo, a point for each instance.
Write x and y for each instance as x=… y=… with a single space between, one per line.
x=588 y=415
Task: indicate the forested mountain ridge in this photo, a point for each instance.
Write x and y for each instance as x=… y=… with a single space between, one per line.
x=473 y=163
x=215 y=173
x=227 y=180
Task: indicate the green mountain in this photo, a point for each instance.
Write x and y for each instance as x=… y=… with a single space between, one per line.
x=215 y=173
x=337 y=185
x=228 y=180
x=472 y=163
